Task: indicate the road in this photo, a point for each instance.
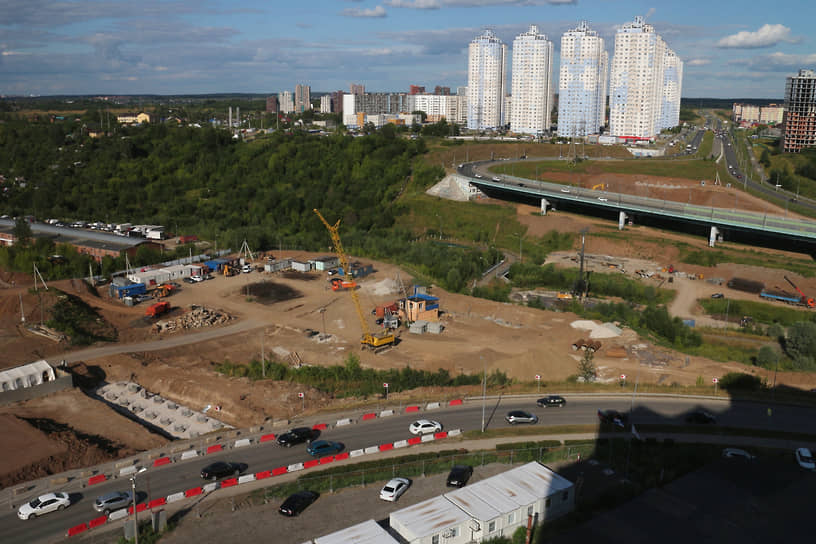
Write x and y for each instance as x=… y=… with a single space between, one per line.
x=162 y=481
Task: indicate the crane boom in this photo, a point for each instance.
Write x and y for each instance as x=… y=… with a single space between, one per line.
x=809 y=302
x=368 y=339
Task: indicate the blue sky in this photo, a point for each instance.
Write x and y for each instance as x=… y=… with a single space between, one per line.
x=731 y=49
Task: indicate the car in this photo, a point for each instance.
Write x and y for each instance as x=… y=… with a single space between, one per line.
x=220 y=469
x=188 y=280
x=551 y=400
x=612 y=417
x=43 y=505
x=246 y=269
x=565 y=190
x=297 y=503
x=737 y=453
x=321 y=448
x=520 y=416
x=805 y=459
x=603 y=199
x=717 y=295
x=196 y=278
x=701 y=417
x=425 y=426
x=477 y=176
x=394 y=489
x=298 y=435
x=113 y=501
x=459 y=475
x=496 y=178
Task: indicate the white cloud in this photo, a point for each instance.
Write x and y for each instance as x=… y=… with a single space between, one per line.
x=777 y=62
x=414 y=4
x=766 y=36
x=379 y=11
x=698 y=62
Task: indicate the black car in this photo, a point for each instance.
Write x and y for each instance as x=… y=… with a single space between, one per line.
x=612 y=417
x=701 y=417
x=297 y=503
x=551 y=400
x=220 y=469
x=298 y=435
x=459 y=475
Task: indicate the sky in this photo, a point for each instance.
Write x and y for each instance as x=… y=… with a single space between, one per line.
x=731 y=49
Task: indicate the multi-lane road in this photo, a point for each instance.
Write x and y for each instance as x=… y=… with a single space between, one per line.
x=163 y=481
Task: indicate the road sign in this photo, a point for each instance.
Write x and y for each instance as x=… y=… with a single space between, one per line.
x=538 y=376
x=714 y=380
x=385 y=384
x=623 y=376
x=301 y=395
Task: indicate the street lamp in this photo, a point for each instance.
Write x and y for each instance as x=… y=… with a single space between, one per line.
x=135 y=513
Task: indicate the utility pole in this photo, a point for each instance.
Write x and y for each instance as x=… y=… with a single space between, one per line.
x=484 y=390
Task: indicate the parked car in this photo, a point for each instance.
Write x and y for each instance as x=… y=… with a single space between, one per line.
x=612 y=417
x=425 y=426
x=43 y=505
x=220 y=469
x=459 y=476
x=551 y=400
x=737 y=453
x=320 y=448
x=394 y=489
x=496 y=178
x=113 y=501
x=717 y=295
x=805 y=459
x=188 y=280
x=246 y=269
x=520 y=416
x=298 y=435
x=297 y=503
x=196 y=278
x=701 y=417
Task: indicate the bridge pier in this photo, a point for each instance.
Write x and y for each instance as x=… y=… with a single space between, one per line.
x=544 y=204
x=712 y=236
x=621 y=220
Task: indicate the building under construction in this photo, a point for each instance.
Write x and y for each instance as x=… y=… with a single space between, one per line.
x=800 y=112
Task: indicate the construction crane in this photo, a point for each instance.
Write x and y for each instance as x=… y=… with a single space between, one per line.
x=807 y=301
x=368 y=340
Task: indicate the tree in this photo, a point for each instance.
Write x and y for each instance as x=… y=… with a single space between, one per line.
x=767 y=356
x=586 y=367
x=765 y=159
x=800 y=344
x=22 y=231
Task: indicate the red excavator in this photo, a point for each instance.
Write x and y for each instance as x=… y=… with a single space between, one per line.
x=805 y=300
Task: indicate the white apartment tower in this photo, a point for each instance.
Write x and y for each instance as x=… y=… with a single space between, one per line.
x=643 y=98
x=582 y=83
x=487 y=59
x=532 y=88
x=287 y=105
x=325 y=103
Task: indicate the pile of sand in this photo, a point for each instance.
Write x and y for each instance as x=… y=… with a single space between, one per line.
x=596 y=330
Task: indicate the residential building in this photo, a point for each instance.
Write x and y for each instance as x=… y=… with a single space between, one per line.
x=326 y=103
x=271 y=104
x=135 y=118
x=639 y=102
x=441 y=90
x=337 y=102
x=772 y=114
x=800 y=112
x=287 y=105
x=416 y=89
x=461 y=105
x=747 y=114
x=303 y=98
x=582 y=82
x=372 y=104
x=436 y=107
x=357 y=88
x=532 y=89
x=487 y=60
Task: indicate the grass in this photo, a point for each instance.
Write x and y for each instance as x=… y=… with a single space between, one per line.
x=760 y=312
x=704 y=150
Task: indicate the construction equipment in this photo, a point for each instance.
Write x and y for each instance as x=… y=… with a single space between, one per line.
x=368 y=340
x=164 y=290
x=157 y=309
x=339 y=284
x=807 y=301
x=230 y=270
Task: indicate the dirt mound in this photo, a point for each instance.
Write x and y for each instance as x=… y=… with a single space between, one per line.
x=270 y=292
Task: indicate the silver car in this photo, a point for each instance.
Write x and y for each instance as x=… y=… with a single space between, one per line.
x=113 y=501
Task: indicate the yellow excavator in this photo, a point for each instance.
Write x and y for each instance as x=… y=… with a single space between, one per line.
x=376 y=342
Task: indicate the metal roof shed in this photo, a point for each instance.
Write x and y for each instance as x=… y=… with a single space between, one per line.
x=418 y=524
x=367 y=532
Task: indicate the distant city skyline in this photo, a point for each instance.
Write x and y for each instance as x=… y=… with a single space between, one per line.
x=730 y=49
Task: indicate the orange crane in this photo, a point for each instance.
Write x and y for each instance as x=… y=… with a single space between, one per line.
x=807 y=301
x=368 y=340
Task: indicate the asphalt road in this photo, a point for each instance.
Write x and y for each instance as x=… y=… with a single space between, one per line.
x=162 y=481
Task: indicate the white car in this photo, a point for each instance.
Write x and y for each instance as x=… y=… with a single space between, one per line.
x=565 y=190
x=196 y=278
x=736 y=453
x=394 y=489
x=425 y=426
x=603 y=199
x=246 y=269
x=805 y=459
x=44 y=504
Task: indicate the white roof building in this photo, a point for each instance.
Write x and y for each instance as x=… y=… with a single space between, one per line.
x=368 y=532
x=26 y=376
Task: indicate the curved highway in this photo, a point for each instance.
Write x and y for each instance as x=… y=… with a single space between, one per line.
x=172 y=478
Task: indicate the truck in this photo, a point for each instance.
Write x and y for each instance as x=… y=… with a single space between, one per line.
x=157 y=309
x=781 y=296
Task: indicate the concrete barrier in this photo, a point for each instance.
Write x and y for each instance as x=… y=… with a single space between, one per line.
x=214 y=449
x=428 y=438
x=99 y=478
x=326 y=460
x=386 y=447
x=341 y=456
x=320 y=427
x=356 y=453
x=295 y=467
x=246 y=478
x=128 y=470
x=161 y=461
x=342 y=422
x=401 y=444
x=264 y=474
x=455 y=432
x=161 y=501
x=455 y=402
x=176 y=497
x=311 y=463
x=96 y=522
x=242 y=443
x=118 y=514
x=432 y=406
x=409 y=409
x=210 y=487
x=81 y=528
x=371 y=449
x=267 y=438
x=279 y=471
x=193 y=492
x=369 y=416
x=414 y=441
x=386 y=413
x=189 y=455
x=443 y=434
x=229 y=482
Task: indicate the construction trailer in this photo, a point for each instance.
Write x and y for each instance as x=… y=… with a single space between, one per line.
x=301 y=266
x=129 y=290
x=422 y=307
x=278 y=266
x=325 y=263
x=216 y=265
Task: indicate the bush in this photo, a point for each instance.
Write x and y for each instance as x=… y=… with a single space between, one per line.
x=739 y=381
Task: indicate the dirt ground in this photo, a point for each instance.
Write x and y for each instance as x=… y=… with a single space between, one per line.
x=279 y=314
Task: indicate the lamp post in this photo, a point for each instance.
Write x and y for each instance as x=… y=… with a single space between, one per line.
x=484 y=389
x=135 y=513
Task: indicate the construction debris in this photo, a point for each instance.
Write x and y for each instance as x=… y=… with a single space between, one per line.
x=197 y=317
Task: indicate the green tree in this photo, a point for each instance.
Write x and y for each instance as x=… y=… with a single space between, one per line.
x=586 y=367
x=767 y=356
x=800 y=344
x=22 y=232
x=765 y=159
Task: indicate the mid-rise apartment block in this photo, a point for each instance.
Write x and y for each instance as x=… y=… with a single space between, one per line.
x=372 y=104
x=582 y=82
x=436 y=107
x=271 y=104
x=337 y=102
x=645 y=83
x=325 y=103
x=487 y=63
x=772 y=114
x=357 y=88
x=303 y=98
x=799 y=129
x=287 y=105
x=532 y=89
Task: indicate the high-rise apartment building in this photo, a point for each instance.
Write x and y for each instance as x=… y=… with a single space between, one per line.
x=532 y=89
x=271 y=104
x=800 y=112
x=325 y=103
x=645 y=83
x=582 y=82
x=357 y=88
x=287 y=105
x=439 y=89
x=416 y=89
x=303 y=98
x=487 y=60
x=337 y=102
